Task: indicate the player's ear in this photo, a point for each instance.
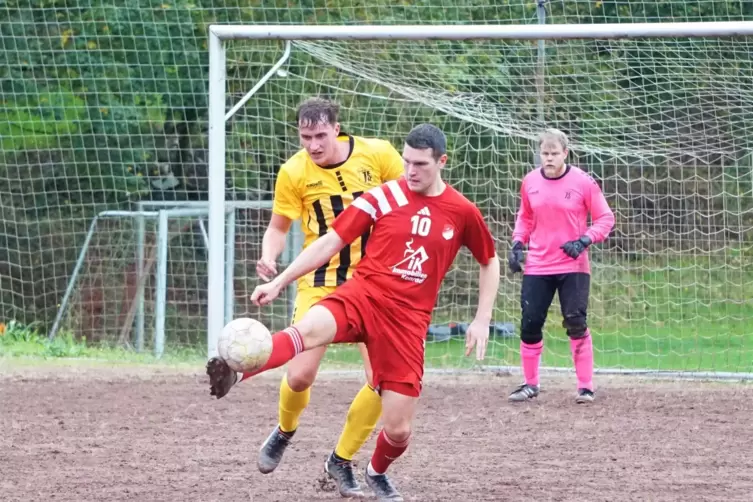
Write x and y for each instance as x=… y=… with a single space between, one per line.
x=442 y=160
x=337 y=128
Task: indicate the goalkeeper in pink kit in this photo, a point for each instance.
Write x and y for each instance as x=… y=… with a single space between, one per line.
x=556 y=200
x=418 y=224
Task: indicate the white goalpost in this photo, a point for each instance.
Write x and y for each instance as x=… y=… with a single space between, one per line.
x=657 y=112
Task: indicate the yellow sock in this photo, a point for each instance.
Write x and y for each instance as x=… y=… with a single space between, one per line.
x=292 y=404
x=363 y=416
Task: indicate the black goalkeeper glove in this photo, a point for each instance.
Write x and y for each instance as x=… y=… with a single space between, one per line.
x=515 y=257
x=573 y=249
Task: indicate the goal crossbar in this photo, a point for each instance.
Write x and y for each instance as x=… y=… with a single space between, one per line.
x=218 y=34
x=484 y=31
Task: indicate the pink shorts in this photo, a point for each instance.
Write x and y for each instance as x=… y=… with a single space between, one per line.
x=394 y=336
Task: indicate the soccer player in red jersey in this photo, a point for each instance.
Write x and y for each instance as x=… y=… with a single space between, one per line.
x=556 y=199
x=418 y=224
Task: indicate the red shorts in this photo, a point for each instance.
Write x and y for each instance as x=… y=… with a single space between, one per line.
x=394 y=336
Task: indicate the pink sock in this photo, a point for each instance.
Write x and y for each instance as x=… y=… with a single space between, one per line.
x=583 y=358
x=530 y=356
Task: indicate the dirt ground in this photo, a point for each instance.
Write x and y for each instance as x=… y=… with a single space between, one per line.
x=102 y=432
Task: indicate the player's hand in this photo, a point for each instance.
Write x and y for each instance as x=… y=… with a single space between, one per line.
x=573 y=249
x=477 y=335
x=265 y=293
x=266 y=269
x=515 y=257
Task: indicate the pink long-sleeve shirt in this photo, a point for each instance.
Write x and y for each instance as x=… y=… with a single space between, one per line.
x=554 y=211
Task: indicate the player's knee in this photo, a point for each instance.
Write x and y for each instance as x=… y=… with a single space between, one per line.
x=398 y=407
x=575 y=326
x=531 y=328
x=301 y=378
x=531 y=337
x=397 y=430
x=317 y=327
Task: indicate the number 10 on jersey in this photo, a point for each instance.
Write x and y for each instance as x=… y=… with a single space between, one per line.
x=420 y=225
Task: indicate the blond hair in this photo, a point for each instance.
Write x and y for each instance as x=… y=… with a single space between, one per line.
x=554 y=135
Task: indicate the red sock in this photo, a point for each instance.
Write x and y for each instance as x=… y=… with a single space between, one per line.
x=387 y=452
x=286 y=344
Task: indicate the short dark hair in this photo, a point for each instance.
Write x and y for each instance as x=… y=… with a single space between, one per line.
x=317 y=111
x=425 y=136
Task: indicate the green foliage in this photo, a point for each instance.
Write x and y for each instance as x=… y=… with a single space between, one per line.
x=28 y=341
x=99 y=81
x=103 y=82
x=23 y=127
x=23 y=340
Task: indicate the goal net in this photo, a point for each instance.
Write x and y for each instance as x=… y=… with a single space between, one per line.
x=104 y=107
x=662 y=123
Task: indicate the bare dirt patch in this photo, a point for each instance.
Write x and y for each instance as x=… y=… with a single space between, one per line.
x=103 y=432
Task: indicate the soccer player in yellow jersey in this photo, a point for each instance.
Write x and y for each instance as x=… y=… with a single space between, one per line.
x=316 y=185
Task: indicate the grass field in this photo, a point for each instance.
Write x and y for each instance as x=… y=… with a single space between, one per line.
x=673 y=346
x=668 y=315
x=660 y=315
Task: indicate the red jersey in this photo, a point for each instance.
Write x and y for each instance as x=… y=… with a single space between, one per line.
x=414 y=240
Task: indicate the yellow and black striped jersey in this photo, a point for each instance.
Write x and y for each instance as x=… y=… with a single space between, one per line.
x=317 y=195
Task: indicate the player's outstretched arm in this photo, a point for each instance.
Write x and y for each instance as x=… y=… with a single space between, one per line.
x=272 y=246
x=524 y=218
x=478 y=332
x=478 y=239
x=286 y=208
x=349 y=225
x=521 y=233
x=488 y=284
x=314 y=256
x=317 y=254
x=602 y=217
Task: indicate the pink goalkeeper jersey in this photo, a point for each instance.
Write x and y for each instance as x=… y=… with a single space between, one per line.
x=554 y=211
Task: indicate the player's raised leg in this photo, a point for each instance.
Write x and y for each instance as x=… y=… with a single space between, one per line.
x=536 y=295
x=316 y=329
x=399 y=402
x=573 y=293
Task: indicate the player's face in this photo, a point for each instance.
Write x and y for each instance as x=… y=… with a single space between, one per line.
x=553 y=157
x=421 y=168
x=320 y=141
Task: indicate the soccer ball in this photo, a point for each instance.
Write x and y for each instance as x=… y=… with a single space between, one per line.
x=245 y=344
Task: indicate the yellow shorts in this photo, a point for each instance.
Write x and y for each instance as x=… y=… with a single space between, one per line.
x=306 y=298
